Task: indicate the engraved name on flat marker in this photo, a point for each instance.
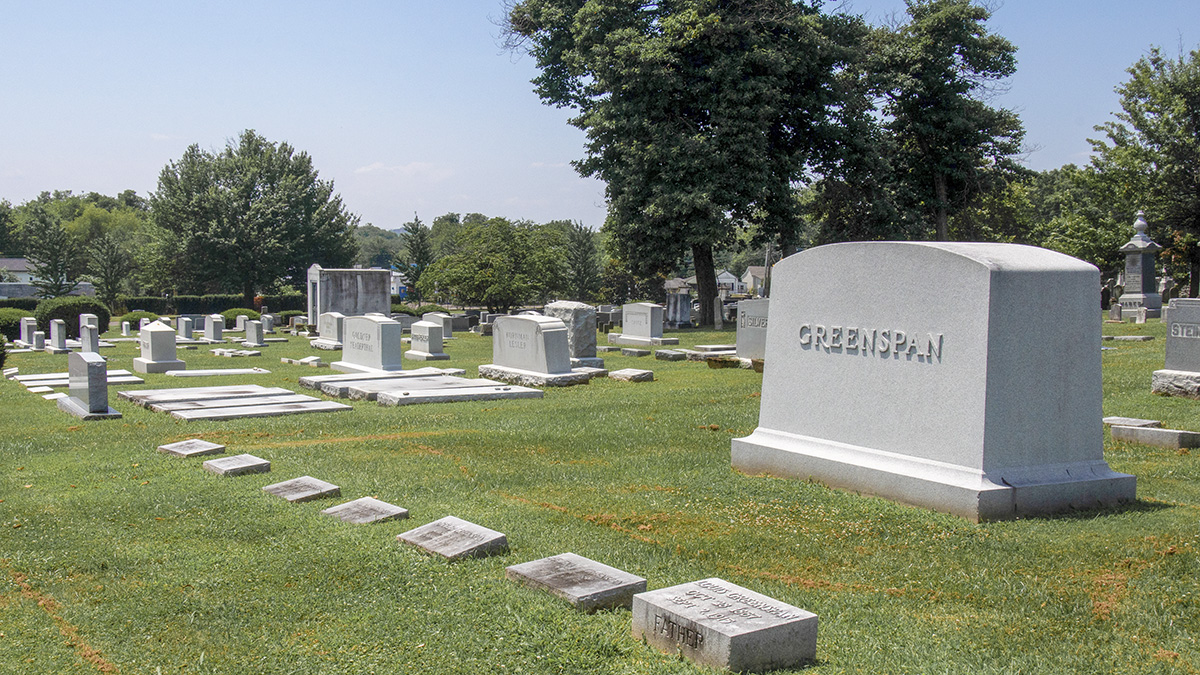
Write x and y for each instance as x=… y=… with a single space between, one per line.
x=237 y=465
x=454 y=538
x=586 y=584
x=366 y=510
x=303 y=489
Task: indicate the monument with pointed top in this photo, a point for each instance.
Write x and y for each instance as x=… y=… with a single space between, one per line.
x=157 y=341
x=1141 y=286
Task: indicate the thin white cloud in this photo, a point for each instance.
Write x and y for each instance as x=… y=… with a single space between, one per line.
x=424 y=170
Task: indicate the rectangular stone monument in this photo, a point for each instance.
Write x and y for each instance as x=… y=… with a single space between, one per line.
x=580 y=320
x=426 y=343
x=445 y=319
x=641 y=325
x=455 y=538
x=89 y=339
x=330 y=328
x=125 y=329
x=531 y=350
x=58 y=337
x=971 y=387
x=254 y=335
x=28 y=328
x=214 y=328
x=752 y=328
x=366 y=510
x=406 y=321
x=157 y=342
x=185 y=328
x=303 y=489
x=369 y=344
x=192 y=447
x=586 y=584
x=350 y=292
x=268 y=323
x=87 y=393
x=199 y=321
x=39 y=341
x=678 y=312
x=89 y=320
x=719 y=624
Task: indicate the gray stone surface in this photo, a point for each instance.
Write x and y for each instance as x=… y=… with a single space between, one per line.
x=211 y=372
x=125 y=328
x=330 y=328
x=642 y=319
x=445 y=319
x=367 y=391
x=303 y=489
x=678 y=311
x=529 y=378
x=1131 y=422
x=715 y=348
x=1163 y=438
x=264 y=410
x=254 y=335
x=184 y=329
x=634 y=351
x=214 y=403
x=214 y=328
x=28 y=327
x=351 y=292
x=370 y=344
x=236 y=465
x=580 y=320
x=39 y=341
x=58 y=337
x=192 y=447
x=89 y=339
x=959 y=394
x=632 y=375
x=607 y=349
x=366 y=510
x=87 y=375
x=531 y=343
x=149 y=397
x=398 y=397
x=719 y=624
x=1183 y=383
x=586 y=584
x=1141 y=287
x=752 y=328
x=454 y=538
x=157 y=343
x=426 y=343
x=1129 y=338
x=1183 y=335
x=89 y=320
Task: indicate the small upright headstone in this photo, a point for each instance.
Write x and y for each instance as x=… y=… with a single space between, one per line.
x=89 y=320
x=1114 y=311
x=330 y=328
x=87 y=387
x=28 y=327
x=254 y=335
x=214 y=328
x=580 y=320
x=143 y=322
x=455 y=538
x=58 y=337
x=371 y=344
x=39 y=341
x=718 y=313
x=426 y=343
x=125 y=329
x=185 y=328
x=531 y=350
x=445 y=319
x=157 y=342
x=239 y=324
x=89 y=339
x=641 y=325
x=1140 y=317
x=752 y=328
x=268 y=323
x=719 y=624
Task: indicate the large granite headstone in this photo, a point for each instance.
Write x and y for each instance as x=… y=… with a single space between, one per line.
x=446 y=320
x=426 y=342
x=972 y=386
x=350 y=292
x=531 y=350
x=87 y=392
x=641 y=325
x=157 y=342
x=580 y=320
x=254 y=335
x=678 y=313
x=1180 y=375
x=330 y=327
x=370 y=344
x=89 y=339
x=752 y=328
x=719 y=624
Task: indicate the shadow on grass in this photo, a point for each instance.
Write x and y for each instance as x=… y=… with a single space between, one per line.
x=1136 y=506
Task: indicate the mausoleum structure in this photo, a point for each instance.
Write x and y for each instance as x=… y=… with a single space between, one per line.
x=348 y=291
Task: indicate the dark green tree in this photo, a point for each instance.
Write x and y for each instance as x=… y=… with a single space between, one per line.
x=249 y=216
x=699 y=115
x=418 y=254
x=52 y=253
x=377 y=247
x=109 y=266
x=583 y=263
x=950 y=145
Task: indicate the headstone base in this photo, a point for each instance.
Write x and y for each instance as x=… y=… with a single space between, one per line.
x=347 y=367
x=52 y=350
x=638 y=341
x=1163 y=438
x=147 y=366
x=414 y=355
x=327 y=345
x=587 y=362
x=79 y=409
x=528 y=378
x=1175 y=383
x=971 y=494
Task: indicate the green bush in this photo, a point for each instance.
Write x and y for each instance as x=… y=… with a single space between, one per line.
x=10 y=322
x=231 y=315
x=285 y=317
x=68 y=308
x=291 y=302
x=425 y=309
x=3 y=350
x=404 y=309
x=145 y=303
x=28 y=304
x=135 y=318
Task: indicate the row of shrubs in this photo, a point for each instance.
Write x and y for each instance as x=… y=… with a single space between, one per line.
x=416 y=311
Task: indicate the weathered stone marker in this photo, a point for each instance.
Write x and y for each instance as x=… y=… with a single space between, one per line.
x=580 y=320
x=58 y=337
x=531 y=350
x=454 y=538
x=193 y=447
x=752 y=328
x=89 y=339
x=719 y=624
x=641 y=325
x=303 y=489
x=329 y=331
x=972 y=386
x=87 y=391
x=157 y=342
x=366 y=510
x=426 y=342
x=237 y=465
x=586 y=584
x=1180 y=375
x=214 y=328
x=369 y=344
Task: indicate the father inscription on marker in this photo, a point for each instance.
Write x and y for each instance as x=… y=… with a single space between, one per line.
x=719 y=624
x=971 y=386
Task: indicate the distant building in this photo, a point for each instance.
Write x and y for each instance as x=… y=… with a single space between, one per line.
x=726 y=281
x=755 y=279
x=19 y=267
x=23 y=286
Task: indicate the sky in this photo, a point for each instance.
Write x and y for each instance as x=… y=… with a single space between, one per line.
x=413 y=107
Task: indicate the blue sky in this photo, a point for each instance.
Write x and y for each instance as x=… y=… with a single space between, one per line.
x=413 y=106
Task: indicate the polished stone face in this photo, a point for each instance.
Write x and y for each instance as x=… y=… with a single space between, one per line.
x=215 y=327
x=372 y=342
x=961 y=377
x=752 y=328
x=642 y=319
x=530 y=342
x=88 y=380
x=1183 y=335
x=426 y=339
x=330 y=325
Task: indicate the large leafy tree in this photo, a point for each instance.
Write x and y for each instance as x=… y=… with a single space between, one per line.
x=109 y=265
x=699 y=114
x=950 y=146
x=1150 y=157
x=243 y=219
x=52 y=253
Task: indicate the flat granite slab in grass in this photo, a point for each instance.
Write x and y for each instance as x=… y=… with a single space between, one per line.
x=213 y=403
x=217 y=371
x=669 y=355
x=719 y=624
x=586 y=584
x=366 y=510
x=303 y=489
x=193 y=447
x=633 y=351
x=237 y=465
x=1163 y=438
x=453 y=394
x=252 y=410
x=455 y=538
x=147 y=397
x=632 y=375
x=1131 y=422
x=367 y=391
x=318 y=381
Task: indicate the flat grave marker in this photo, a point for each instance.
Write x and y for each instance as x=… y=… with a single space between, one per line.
x=586 y=584
x=237 y=465
x=366 y=510
x=303 y=489
x=454 y=538
x=192 y=447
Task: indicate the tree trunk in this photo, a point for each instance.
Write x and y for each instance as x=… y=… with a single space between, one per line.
x=248 y=295
x=706 y=281
x=939 y=187
x=1193 y=279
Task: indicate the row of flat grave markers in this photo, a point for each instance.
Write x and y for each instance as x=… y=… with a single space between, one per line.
x=711 y=621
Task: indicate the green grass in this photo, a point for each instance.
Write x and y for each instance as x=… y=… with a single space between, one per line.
x=116 y=558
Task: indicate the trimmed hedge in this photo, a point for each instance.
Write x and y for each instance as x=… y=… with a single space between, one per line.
x=68 y=308
x=135 y=318
x=28 y=304
x=3 y=350
x=404 y=309
x=425 y=309
x=231 y=315
x=285 y=317
x=145 y=303
x=10 y=322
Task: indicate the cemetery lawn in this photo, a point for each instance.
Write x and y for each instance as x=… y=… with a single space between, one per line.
x=115 y=558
